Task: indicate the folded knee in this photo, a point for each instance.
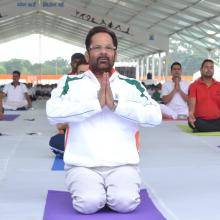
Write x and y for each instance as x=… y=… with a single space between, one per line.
x=88 y=203
x=124 y=202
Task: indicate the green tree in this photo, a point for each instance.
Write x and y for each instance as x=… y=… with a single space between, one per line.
x=189 y=56
x=56 y=66
x=2 y=69
x=36 y=68
x=17 y=64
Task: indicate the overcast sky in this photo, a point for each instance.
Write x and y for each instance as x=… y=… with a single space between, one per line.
x=37 y=49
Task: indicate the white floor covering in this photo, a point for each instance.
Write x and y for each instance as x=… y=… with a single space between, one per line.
x=180 y=171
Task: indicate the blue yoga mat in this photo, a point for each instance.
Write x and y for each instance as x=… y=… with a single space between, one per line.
x=58 y=164
x=59 y=206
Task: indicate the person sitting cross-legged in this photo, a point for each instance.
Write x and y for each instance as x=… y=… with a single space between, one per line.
x=15 y=95
x=57 y=142
x=204 y=100
x=174 y=95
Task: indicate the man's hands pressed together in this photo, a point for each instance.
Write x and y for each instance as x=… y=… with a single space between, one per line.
x=177 y=84
x=105 y=93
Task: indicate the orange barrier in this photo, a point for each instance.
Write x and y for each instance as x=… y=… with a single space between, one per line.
x=30 y=78
x=164 y=78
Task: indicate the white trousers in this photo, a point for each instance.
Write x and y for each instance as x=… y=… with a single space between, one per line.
x=92 y=188
x=12 y=105
x=166 y=111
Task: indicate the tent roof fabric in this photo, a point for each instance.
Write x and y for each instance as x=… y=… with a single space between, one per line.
x=143 y=27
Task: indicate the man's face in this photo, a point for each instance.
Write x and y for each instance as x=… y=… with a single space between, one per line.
x=102 y=53
x=74 y=63
x=82 y=68
x=207 y=71
x=15 y=77
x=176 y=71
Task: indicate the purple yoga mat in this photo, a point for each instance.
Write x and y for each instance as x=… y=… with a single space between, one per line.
x=9 y=117
x=59 y=206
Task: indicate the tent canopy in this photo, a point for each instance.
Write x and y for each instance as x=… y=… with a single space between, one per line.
x=143 y=27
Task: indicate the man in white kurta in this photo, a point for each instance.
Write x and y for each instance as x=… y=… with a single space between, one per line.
x=15 y=95
x=103 y=110
x=174 y=94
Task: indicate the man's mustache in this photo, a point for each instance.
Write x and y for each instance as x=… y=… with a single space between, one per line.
x=100 y=58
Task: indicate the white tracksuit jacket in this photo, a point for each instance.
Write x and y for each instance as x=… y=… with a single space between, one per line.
x=100 y=137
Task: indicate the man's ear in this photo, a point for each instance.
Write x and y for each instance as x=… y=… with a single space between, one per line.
x=116 y=55
x=86 y=56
